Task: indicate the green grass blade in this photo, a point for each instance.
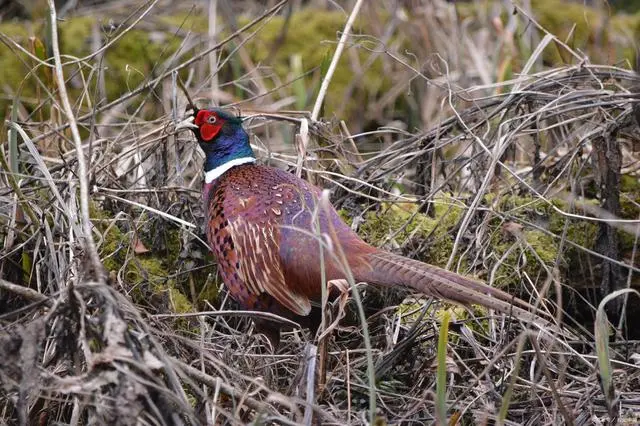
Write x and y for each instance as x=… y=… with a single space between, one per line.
x=441 y=377
x=13 y=140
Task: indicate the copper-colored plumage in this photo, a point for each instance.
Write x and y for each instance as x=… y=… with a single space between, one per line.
x=262 y=225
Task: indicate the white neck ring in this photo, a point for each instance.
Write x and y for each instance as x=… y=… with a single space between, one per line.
x=213 y=174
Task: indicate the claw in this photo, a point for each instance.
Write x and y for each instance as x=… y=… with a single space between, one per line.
x=343 y=288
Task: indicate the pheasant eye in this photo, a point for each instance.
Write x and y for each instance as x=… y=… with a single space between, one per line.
x=212 y=119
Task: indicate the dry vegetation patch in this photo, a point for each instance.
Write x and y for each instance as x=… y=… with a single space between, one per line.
x=469 y=137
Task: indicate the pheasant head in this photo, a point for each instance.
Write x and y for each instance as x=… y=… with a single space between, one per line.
x=222 y=138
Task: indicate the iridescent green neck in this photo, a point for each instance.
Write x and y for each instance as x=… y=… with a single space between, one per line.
x=231 y=148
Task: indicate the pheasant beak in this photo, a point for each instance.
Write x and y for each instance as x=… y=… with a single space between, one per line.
x=187 y=123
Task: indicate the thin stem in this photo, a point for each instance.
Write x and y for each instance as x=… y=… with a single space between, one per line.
x=82 y=172
x=213 y=59
x=334 y=61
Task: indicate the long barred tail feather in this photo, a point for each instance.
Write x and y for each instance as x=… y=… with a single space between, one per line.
x=389 y=270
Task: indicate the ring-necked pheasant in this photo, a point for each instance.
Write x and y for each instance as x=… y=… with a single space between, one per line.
x=261 y=228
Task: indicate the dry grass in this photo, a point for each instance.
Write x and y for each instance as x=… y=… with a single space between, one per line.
x=82 y=346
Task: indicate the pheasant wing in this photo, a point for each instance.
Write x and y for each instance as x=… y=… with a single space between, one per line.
x=260 y=266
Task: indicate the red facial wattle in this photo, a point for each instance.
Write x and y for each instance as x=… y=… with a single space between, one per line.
x=209 y=124
x=209 y=131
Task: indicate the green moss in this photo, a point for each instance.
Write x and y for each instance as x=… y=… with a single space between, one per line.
x=580 y=232
x=13 y=65
x=546 y=246
x=194 y=22
x=210 y=290
x=602 y=34
x=511 y=269
x=75 y=35
x=403 y=221
x=630 y=184
x=586 y=29
x=143 y=273
x=112 y=238
x=312 y=37
x=535 y=246
x=179 y=302
x=135 y=57
x=629 y=209
x=543 y=244
x=626 y=241
x=131 y=60
x=411 y=310
x=345 y=216
x=629 y=203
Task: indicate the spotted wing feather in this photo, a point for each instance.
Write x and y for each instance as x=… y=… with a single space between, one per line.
x=257 y=246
